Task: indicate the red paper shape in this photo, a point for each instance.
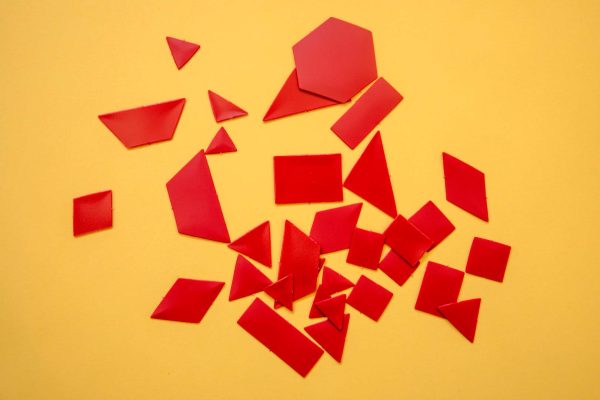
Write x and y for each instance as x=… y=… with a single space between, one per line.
x=247 y=280
x=330 y=338
x=145 y=125
x=406 y=240
x=321 y=294
x=333 y=228
x=255 y=244
x=195 y=202
x=221 y=143
x=465 y=186
x=188 y=300
x=369 y=298
x=370 y=179
x=308 y=179
x=223 y=109
x=92 y=212
x=291 y=100
x=365 y=249
x=282 y=292
x=334 y=282
x=396 y=267
x=441 y=285
x=280 y=337
x=333 y=308
x=366 y=113
x=321 y=264
x=336 y=60
x=463 y=315
x=300 y=258
x=181 y=50
x=488 y=259
x=432 y=222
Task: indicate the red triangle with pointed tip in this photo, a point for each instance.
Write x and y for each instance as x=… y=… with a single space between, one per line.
x=334 y=282
x=255 y=244
x=321 y=294
x=282 y=292
x=333 y=309
x=181 y=50
x=247 y=280
x=370 y=178
x=329 y=338
x=221 y=143
x=224 y=109
x=463 y=315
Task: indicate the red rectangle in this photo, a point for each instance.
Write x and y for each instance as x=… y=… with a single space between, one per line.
x=308 y=179
x=368 y=111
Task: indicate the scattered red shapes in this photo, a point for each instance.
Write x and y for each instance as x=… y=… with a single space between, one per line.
x=463 y=315
x=333 y=308
x=465 y=186
x=188 y=300
x=221 y=143
x=406 y=240
x=321 y=294
x=432 y=222
x=334 y=282
x=330 y=338
x=182 y=51
x=333 y=228
x=255 y=244
x=441 y=285
x=92 y=212
x=365 y=249
x=369 y=298
x=488 y=259
x=247 y=280
x=223 y=109
x=396 y=267
x=282 y=292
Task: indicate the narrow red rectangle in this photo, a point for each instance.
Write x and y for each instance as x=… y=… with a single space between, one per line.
x=308 y=178
x=281 y=337
x=368 y=111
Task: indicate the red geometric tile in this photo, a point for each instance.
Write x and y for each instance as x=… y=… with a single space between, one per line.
x=181 y=51
x=333 y=282
x=223 y=109
x=369 y=298
x=432 y=222
x=463 y=315
x=365 y=248
x=465 y=186
x=255 y=244
x=282 y=292
x=330 y=338
x=333 y=228
x=221 y=143
x=92 y=212
x=441 y=285
x=333 y=309
x=321 y=294
x=247 y=280
x=488 y=259
x=188 y=300
x=406 y=240
x=396 y=268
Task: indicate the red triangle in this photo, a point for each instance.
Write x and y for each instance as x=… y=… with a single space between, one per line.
x=370 y=178
x=333 y=309
x=282 y=292
x=224 y=109
x=329 y=338
x=182 y=51
x=320 y=295
x=463 y=315
x=255 y=244
x=195 y=202
x=291 y=100
x=334 y=282
x=221 y=143
x=247 y=280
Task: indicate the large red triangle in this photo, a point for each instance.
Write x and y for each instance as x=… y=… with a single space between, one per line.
x=333 y=282
x=333 y=309
x=463 y=315
x=329 y=338
x=181 y=51
x=247 y=280
x=282 y=292
x=370 y=178
x=255 y=244
x=221 y=143
x=224 y=109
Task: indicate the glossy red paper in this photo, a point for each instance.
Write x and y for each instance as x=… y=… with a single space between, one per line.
x=488 y=259
x=92 y=212
x=221 y=143
x=321 y=294
x=181 y=50
x=465 y=186
x=188 y=300
x=333 y=282
x=406 y=240
x=333 y=308
x=432 y=222
x=247 y=280
x=333 y=228
x=369 y=298
x=330 y=338
x=223 y=109
x=441 y=285
x=463 y=315
x=365 y=248
x=396 y=267
x=255 y=244
x=282 y=292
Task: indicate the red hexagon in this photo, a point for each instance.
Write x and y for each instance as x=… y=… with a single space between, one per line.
x=336 y=60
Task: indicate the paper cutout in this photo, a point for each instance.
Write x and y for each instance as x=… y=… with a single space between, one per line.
x=406 y=240
x=333 y=308
x=369 y=298
x=366 y=113
x=440 y=285
x=308 y=179
x=433 y=223
x=282 y=292
x=188 y=300
x=255 y=244
x=488 y=259
x=365 y=249
x=291 y=100
x=333 y=282
x=463 y=315
x=92 y=212
x=329 y=338
x=247 y=280
x=370 y=179
x=223 y=109
x=396 y=267
x=195 y=202
x=145 y=125
x=465 y=186
x=280 y=337
x=336 y=60
x=181 y=50
x=221 y=143
x=321 y=264
x=333 y=228
x=321 y=294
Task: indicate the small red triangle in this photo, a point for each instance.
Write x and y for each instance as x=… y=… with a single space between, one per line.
x=221 y=143
x=320 y=295
x=255 y=244
x=334 y=282
x=224 y=109
x=247 y=280
x=182 y=51
x=370 y=178
x=333 y=309
x=463 y=315
x=329 y=338
x=282 y=291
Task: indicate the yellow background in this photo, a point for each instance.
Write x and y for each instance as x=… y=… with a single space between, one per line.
x=511 y=87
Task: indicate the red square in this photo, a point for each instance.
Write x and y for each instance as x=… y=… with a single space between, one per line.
x=369 y=298
x=432 y=222
x=92 y=212
x=407 y=240
x=488 y=259
x=441 y=285
x=365 y=248
x=396 y=268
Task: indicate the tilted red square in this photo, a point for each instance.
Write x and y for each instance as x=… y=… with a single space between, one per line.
x=370 y=298
x=488 y=259
x=407 y=240
x=92 y=212
x=365 y=248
